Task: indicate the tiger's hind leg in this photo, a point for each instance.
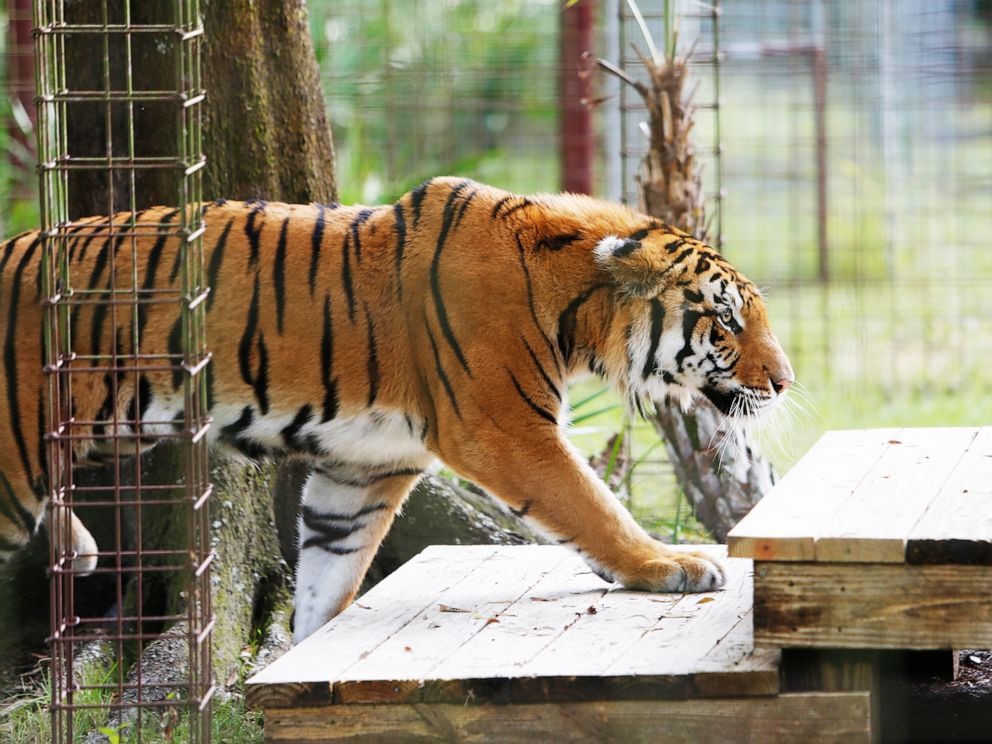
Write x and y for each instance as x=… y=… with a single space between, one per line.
x=345 y=515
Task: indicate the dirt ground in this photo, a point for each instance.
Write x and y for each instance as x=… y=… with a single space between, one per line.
x=942 y=710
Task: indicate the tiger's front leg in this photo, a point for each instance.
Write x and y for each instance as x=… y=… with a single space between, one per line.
x=537 y=472
x=345 y=514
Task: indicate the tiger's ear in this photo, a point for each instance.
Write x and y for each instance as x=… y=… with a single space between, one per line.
x=628 y=267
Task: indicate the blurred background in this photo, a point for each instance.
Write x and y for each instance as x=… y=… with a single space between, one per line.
x=847 y=151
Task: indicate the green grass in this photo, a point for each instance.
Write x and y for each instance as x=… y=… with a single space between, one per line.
x=25 y=719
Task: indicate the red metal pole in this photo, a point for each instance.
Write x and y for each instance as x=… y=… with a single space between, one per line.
x=577 y=140
x=20 y=83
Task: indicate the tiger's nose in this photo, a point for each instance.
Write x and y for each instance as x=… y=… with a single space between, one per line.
x=780 y=386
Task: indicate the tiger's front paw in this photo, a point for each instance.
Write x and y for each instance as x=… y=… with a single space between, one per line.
x=677 y=571
x=84 y=547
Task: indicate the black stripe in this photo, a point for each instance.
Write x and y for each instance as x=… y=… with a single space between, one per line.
x=328 y=531
x=364 y=481
x=441 y=373
x=417 y=200
x=291 y=430
x=360 y=219
x=99 y=264
x=568 y=319
x=14 y=510
x=464 y=206
x=230 y=432
x=107 y=407
x=244 y=347
x=540 y=368
x=524 y=508
x=349 y=291
x=175 y=349
x=213 y=271
x=692 y=296
x=400 y=246
x=10 y=360
x=155 y=254
x=336 y=551
x=522 y=204
x=556 y=242
x=626 y=248
x=338 y=516
x=326 y=362
x=210 y=384
x=257 y=208
x=536 y=408
x=315 y=239
x=689 y=320
x=40 y=487
x=86 y=245
x=530 y=303
x=373 y=360
x=657 y=319
x=151 y=269
x=96 y=326
x=442 y=315
x=262 y=376
x=8 y=546
x=499 y=205
x=279 y=276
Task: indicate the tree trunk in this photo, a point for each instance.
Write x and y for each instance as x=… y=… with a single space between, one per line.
x=265 y=135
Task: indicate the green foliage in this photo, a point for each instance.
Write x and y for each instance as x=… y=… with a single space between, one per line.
x=426 y=88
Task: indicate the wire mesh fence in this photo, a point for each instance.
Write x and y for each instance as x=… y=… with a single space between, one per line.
x=95 y=89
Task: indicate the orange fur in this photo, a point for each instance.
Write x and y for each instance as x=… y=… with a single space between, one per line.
x=461 y=307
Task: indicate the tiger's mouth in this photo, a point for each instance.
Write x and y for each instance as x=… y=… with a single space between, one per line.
x=738 y=403
x=723 y=402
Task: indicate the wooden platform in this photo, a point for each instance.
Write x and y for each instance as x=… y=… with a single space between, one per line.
x=525 y=643
x=876 y=539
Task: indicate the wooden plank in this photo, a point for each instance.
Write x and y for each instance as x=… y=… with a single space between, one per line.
x=862 y=605
x=785 y=523
x=872 y=526
x=656 y=646
x=957 y=525
x=523 y=624
x=814 y=717
x=538 y=617
x=305 y=672
x=622 y=619
x=395 y=670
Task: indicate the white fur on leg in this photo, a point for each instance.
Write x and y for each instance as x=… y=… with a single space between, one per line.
x=340 y=529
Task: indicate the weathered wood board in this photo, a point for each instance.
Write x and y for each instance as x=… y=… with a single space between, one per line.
x=523 y=624
x=876 y=539
x=879 y=496
x=818 y=717
x=872 y=606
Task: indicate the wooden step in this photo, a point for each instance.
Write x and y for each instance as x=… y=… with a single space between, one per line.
x=877 y=539
x=525 y=642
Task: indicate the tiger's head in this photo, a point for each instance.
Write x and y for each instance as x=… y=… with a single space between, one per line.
x=690 y=325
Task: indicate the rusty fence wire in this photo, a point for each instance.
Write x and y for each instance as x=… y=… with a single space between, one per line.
x=106 y=178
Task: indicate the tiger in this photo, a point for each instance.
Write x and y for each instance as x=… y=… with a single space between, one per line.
x=381 y=341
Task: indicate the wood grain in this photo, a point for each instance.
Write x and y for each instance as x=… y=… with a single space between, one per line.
x=854 y=605
x=957 y=524
x=785 y=524
x=823 y=717
x=873 y=524
x=524 y=624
